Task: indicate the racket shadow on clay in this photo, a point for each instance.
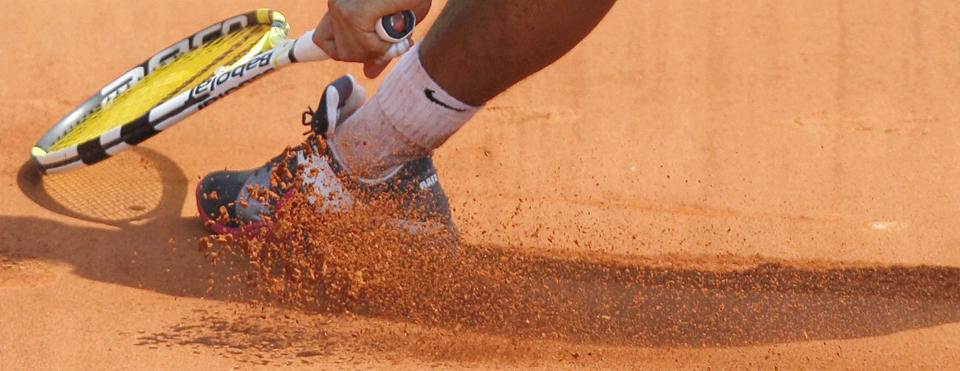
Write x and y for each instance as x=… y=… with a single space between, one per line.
x=129 y=189
x=143 y=241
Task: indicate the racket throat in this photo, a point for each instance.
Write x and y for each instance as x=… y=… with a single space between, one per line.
x=277 y=35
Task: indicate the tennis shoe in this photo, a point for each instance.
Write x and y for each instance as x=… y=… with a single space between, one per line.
x=246 y=202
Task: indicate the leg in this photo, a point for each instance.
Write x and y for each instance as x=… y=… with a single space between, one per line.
x=479 y=48
x=475 y=50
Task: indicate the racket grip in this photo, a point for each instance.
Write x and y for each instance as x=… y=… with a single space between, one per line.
x=396 y=50
x=305 y=49
x=395 y=28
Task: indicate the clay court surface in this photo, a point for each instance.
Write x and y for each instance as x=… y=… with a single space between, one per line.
x=735 y=184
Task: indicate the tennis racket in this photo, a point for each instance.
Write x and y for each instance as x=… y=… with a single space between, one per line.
x=184 y=78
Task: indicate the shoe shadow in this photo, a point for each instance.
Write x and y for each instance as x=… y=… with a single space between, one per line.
x=615 y=302
x=498 y=290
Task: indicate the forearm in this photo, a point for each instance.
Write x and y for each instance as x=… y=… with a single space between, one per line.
x=479 y=48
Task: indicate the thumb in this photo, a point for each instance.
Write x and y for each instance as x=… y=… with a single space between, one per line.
x=374 y=69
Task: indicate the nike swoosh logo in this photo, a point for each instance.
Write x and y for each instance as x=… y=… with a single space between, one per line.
x=429 y=92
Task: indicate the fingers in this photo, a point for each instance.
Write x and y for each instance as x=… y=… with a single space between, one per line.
x=323 y=37
x=374 y=68
x=352 y=43
x=347 y=31
x=421 y=10
x=397 y=6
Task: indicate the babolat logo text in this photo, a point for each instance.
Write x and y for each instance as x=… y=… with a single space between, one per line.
x=429 y=182
x=210 y=85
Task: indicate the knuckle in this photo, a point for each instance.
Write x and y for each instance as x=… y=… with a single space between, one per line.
x=333 y=5
x=347 y=9
x=340 y=8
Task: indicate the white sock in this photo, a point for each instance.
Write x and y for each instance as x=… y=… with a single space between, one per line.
x=406 y=119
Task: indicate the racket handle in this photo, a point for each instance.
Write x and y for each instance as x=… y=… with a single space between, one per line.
x=304 y=50
x=395 y=28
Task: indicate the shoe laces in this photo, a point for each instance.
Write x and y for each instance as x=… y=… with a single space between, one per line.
x=317 y=124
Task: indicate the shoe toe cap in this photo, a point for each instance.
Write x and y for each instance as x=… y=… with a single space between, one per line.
x=217 y=193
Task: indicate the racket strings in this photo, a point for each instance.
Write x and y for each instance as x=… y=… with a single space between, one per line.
x=163 y=83
x=205 y=72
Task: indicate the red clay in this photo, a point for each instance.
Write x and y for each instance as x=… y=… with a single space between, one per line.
x=698 y=184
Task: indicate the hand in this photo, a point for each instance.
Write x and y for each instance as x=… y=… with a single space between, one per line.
x=347 y=32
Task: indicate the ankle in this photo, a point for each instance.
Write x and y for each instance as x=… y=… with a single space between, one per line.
x=406 y=119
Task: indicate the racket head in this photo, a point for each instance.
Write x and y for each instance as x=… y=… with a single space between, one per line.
x=117 y=115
